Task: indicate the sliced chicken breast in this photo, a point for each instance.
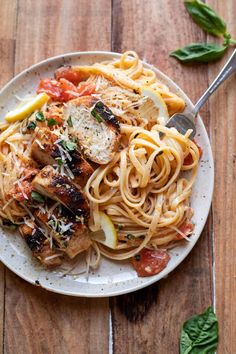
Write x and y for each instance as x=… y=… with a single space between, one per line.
x=71 y=237
x=95 y=127
x=47 y=149
x=60 y=188
x=40 y=246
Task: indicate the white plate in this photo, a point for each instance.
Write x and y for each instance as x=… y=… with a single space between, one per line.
x=111 y=278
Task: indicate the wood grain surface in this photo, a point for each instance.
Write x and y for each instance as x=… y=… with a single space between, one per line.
x=34 y=321
x=223 y=127
x=188 y=289
x=38 y=322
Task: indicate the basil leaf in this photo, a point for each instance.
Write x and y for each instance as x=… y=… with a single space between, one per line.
x=31 y=126
x=205 y=17
x=228 y=40
x=37 y=197
x=199 y=52
x=52 y=122
x=200 y=334
x=40 y=116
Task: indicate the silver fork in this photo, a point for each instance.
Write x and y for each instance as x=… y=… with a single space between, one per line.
x=185 y=121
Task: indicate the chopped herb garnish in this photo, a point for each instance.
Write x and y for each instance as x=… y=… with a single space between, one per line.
x=37 y=197
x=52 y=122
x=70 y=122
x=130 y=237
x=68 y=145
x=96 y=116
x=8 y=224
x=52 y=223
x=119 y=227
x=137 y=257
x=99 y=104
x=40 y=116
x=31 y=126
x=60 y=161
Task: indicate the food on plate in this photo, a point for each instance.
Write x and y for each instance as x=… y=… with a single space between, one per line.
x=88 y=166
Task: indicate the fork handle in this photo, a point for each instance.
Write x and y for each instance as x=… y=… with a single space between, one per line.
x=228 y=69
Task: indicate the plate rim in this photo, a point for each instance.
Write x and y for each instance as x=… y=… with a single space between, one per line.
x=156 y=277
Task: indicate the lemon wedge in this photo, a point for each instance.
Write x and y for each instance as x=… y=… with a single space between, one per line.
x=29 y=107
x=109 y=230
x=157 y=100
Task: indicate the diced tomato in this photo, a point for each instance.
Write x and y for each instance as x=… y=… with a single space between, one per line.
x=188 y=159
x=63 y=90
x=86 y=89
x=68 y=73
x=150 y=262
x=51 y=87
x=186 y=229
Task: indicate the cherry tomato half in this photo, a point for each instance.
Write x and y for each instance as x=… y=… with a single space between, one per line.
x=150 y=262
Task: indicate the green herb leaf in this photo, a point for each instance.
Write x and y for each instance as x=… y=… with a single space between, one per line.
x=68 y=145
x=52 y=122
x=13 y=227
x=53 y=224
x=200 y=334
x=70 y=121
x=31 y=126
x=9 y=225
x=199 y=52
x=205 y=17
x=37 y=197
x=59 y=161
x=96 y=116
x=40 y=116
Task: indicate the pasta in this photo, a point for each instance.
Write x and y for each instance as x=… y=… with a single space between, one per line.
x=144 y=189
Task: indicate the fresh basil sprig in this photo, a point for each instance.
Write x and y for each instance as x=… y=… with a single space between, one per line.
x=200 y=334
x=199 y=52
x=206 y=17
x=211 y=23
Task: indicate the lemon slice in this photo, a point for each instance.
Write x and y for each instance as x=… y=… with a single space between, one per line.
x=22 y=112
x=109 y=231
x=158 y=101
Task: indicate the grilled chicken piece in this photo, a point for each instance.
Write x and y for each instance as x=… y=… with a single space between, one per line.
x=60 y=188
x=71 y=237
x=40 y=246
x=46 y=151
x=95 y=127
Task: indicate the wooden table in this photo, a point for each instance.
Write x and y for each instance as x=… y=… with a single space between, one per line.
x=149 y=321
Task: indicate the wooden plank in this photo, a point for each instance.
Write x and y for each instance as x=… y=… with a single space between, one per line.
x=222 y=106
x=154 y=29
x=7 y=48
x=38 y=321
x=48 y=28
x=41 y=322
